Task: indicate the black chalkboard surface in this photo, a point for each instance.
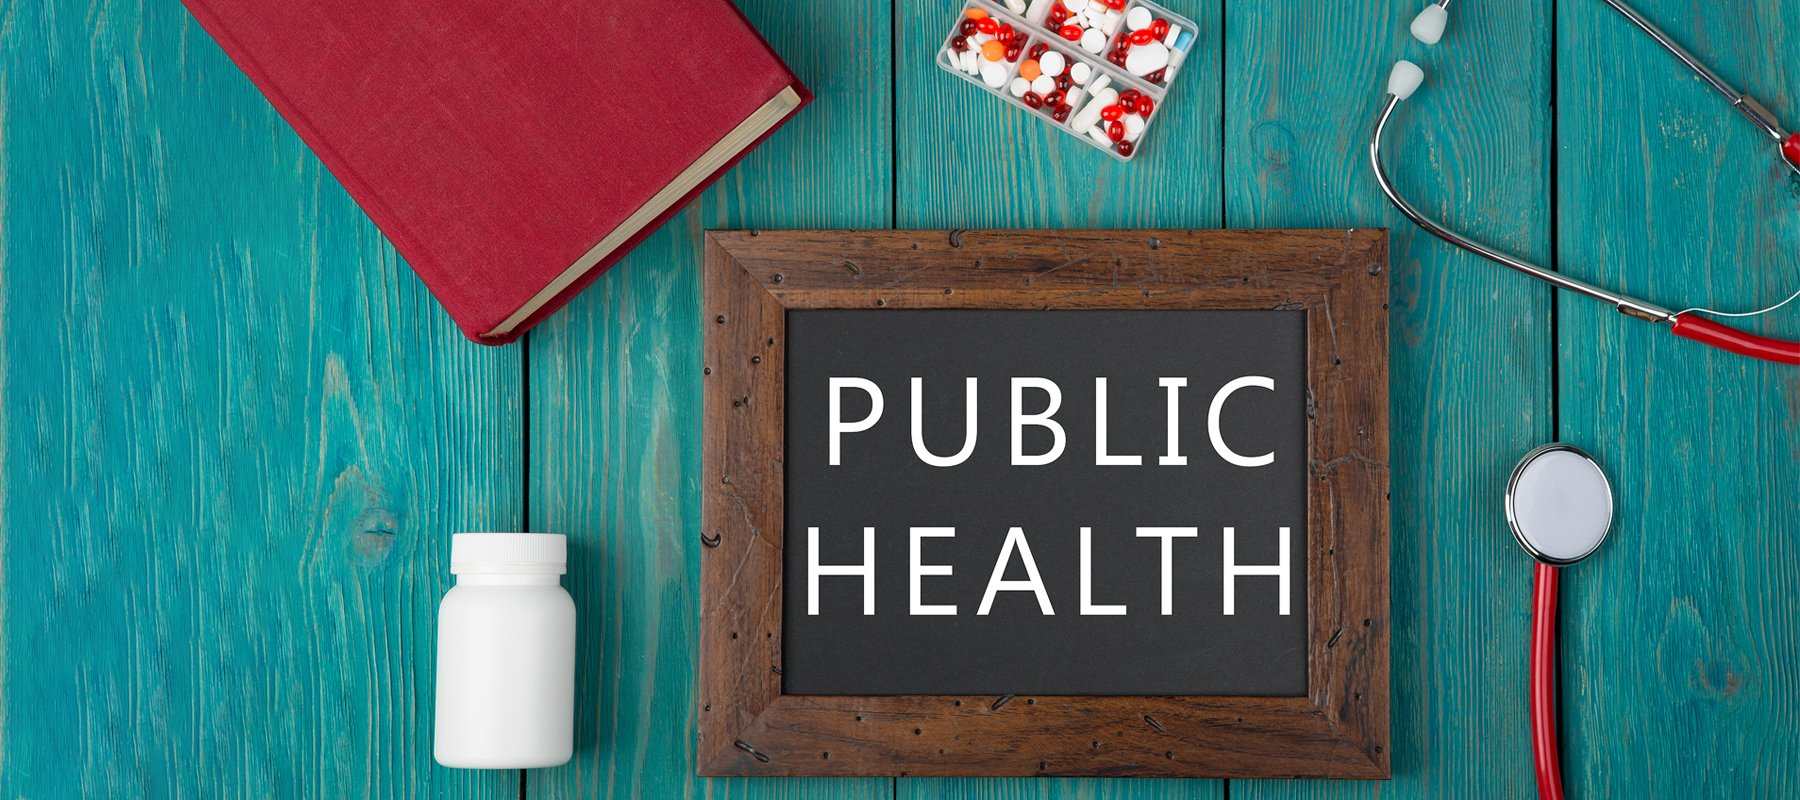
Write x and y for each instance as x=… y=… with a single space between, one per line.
x=882 y=482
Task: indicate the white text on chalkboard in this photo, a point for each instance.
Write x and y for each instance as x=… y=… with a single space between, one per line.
x=839 y=426
x=1017 y=547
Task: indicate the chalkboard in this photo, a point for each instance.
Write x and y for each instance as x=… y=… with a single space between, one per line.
x=964 y=514
x=875 y=603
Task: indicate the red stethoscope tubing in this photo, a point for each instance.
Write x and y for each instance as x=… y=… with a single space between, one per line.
x=1730 y=339
x=1543 y=685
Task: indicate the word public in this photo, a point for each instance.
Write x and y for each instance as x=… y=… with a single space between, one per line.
x=838 y=426
x=1017 y=546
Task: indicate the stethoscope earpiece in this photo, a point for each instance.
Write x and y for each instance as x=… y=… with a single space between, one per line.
x=1428 y=26
x=1405 y=79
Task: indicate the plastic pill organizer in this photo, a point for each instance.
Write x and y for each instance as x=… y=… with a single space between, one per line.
x=1097 y=70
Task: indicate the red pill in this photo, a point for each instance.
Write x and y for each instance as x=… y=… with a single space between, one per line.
x=1111 y=113
x=1071 y=32
x=1032 y=99
x=1116 y=57
x=1122 y=41
x=1116 y=5
x=1145 y=106
x=959 y=43
x=1053 y=99
x=1005 y=34
x=1155 y=77
x=1012 y=55
x=1037 y=50
x=1143 y=37
x=1127 y=104
x=1058 y=15
x=967 y=28
x=1063 y=82
x=1116 y=131
x=1125 y=148
x=1159 y=28
x=1061 y=114
x=987 y=25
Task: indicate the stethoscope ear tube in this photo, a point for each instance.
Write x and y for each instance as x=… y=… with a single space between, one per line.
x=1687 y=325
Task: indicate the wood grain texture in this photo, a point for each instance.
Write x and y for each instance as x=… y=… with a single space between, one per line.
x=238 y=434
x=615 y=426
x=1470 y=341
x=966 y=160
x=1679 y=637
x=748 y=727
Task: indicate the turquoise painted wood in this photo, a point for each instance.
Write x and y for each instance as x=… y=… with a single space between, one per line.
x=1679 y=671
x=237 y=432
x=615 y=398
x=1471 y=372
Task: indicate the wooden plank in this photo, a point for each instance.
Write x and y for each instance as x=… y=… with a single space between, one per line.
x=967 y=160
x=615 y=426
x=1679 y=634
x=238 y=432
x=1470 y=342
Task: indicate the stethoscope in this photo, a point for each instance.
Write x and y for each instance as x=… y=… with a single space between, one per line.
x=1560 y=507
x=1406 y=77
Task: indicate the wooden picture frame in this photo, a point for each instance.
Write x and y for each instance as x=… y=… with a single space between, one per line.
x=1338 y=730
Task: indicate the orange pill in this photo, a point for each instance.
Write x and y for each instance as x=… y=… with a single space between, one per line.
x=1030 y=70
x=993 y=51
x=976 y=13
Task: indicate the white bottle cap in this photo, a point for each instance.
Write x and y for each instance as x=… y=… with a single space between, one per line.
x=499 y=553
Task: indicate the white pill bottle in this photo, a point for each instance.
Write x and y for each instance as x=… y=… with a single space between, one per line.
x=506 y=654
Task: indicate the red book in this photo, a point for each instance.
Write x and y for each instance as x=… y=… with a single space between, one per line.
x=512 y=150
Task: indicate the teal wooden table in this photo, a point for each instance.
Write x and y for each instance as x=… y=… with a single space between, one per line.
x=238 y=432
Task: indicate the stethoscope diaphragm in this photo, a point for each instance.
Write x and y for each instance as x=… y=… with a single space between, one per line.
x=1559 y=504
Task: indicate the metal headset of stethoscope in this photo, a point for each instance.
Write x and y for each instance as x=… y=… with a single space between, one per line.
x=1407 y=76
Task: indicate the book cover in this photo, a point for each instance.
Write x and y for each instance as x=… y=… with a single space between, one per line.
x=512 y=150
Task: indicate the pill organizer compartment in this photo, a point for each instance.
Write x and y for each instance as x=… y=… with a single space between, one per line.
x=1180 y=38
x=1037 y=28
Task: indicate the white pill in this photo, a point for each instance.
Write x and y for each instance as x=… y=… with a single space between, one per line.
x=1043 y=84
x=971 y=64
x=994 y=73
x=1093 y=41
x=1091 y=113
x=1147 y=58
x=1075 y=6
x=981 y=39
x=1139 y=18
x=1111 y=23
x=1053 y=63
x=1016 y=6
x=1038 y=10
x=1100 y=138
x=1174 y=34
x=1100 y=84
x=1080 y=72
x=1134 y=124
x=1019 y=87
x=1095 y=16
x=1074 y=97
x=1133 y=137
